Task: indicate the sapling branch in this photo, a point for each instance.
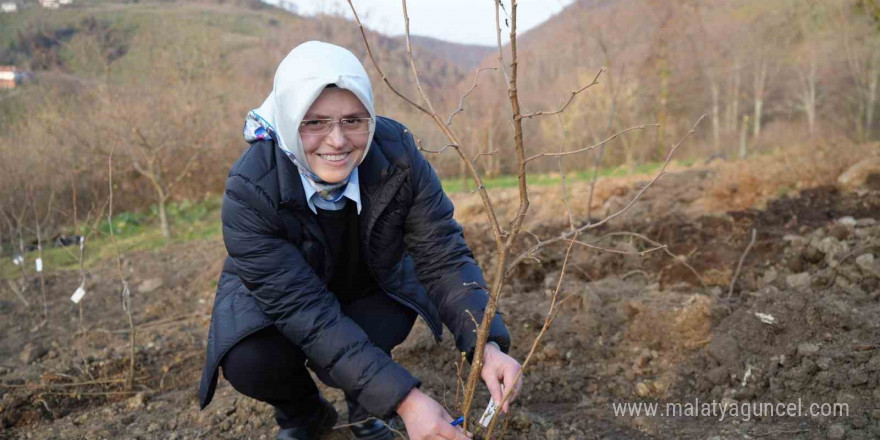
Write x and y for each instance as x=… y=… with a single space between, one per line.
x=567 y=103
x=461 y=101
x=591 y=147
x=564 y=236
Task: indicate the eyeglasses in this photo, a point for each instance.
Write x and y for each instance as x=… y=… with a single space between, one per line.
x=323 y=127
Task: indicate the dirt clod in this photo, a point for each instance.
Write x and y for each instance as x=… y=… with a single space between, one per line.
x=137 y=401
x=798 y=281
x=808 y=349
x=150 y=285
x=836 y=432
x=32 y=352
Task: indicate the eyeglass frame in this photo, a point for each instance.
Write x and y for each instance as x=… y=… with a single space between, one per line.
x=332 y=123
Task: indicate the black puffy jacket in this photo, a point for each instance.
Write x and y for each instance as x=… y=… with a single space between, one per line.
x=278 y=264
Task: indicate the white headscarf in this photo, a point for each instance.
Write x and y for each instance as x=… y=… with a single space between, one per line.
x=300 y=78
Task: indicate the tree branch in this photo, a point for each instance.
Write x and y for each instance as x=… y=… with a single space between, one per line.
x=620 y=212
x=376 y=64
x=591 y=147
x=461 y=101
x=567 y=103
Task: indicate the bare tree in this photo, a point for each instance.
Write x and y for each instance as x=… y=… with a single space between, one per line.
x=40 y=220
x=505 y=236
x=862 y=50
x=808 y=79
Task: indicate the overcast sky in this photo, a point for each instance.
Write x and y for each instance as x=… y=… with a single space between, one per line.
x=460 y=21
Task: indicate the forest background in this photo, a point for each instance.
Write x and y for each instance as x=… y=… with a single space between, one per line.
x=165 y=85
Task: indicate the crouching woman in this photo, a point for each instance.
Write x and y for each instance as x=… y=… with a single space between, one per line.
x=339 y=234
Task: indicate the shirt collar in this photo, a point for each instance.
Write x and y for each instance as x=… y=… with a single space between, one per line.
x=352 y=192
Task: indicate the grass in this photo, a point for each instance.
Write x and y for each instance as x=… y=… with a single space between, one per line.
x=452 y=185
x=135 y=231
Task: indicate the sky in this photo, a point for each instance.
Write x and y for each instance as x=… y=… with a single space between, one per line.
x=459 y=21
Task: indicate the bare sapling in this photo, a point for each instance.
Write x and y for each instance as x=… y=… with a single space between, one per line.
x=94 y=216
x=505 y=236
x=40 y=223
x=13 y=286
x=152 y=163
x=17 y=211
x=126 y=292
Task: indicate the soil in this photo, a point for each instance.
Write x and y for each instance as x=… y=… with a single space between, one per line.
x=799 y=324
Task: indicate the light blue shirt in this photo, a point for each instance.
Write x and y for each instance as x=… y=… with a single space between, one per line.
x=352 y=192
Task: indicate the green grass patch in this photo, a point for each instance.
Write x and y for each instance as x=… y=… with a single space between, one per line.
x=134 y=231
x=455 y=184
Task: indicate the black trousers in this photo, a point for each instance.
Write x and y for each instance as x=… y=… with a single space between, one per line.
x=268 y=367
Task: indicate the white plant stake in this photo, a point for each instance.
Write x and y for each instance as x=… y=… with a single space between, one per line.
x=39 y=263
x=490 y=411
x=78 y=294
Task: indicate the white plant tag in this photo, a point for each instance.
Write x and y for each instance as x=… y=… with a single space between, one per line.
x=766 y=318
x=18 y=259
x=490 y=411
x=78 y=295
x=39 y=263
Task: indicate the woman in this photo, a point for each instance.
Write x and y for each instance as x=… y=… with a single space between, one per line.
x=339 y=234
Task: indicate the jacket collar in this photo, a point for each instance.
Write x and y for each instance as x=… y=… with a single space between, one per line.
x=290 y=187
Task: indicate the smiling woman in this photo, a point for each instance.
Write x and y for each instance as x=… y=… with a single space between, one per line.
x=334 y=134
x=339 y=234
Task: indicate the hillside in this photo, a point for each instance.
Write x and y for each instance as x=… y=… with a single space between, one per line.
x=668 y=62
x=211 y=61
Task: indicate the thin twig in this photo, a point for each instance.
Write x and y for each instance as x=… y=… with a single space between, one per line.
x=501 y=62
x=437 y=151
x=18 y=293
x=740 y=264
x=564 y=134
x=681 y=259
x=64 y=385
x=590 y=225
x=570 y=99
x=479 y=155
x=376 y=64
x=551 y=315
x=776 y=433
x=461 y=101
x=460 y=382
x=615 y=251
x=96 y=393
x=412 y=63
x=126 y=293
x=591 y=147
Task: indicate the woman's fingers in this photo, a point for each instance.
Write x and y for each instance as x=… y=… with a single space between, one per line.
x=509 y=378
x=446 y=417
x=494 y=386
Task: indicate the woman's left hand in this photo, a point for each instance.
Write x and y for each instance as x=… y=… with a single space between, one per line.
x=498 y=369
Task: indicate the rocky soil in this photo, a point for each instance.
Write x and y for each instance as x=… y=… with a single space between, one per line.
x=800 y=322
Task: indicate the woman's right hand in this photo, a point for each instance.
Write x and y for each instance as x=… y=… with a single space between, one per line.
x=425 y=419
